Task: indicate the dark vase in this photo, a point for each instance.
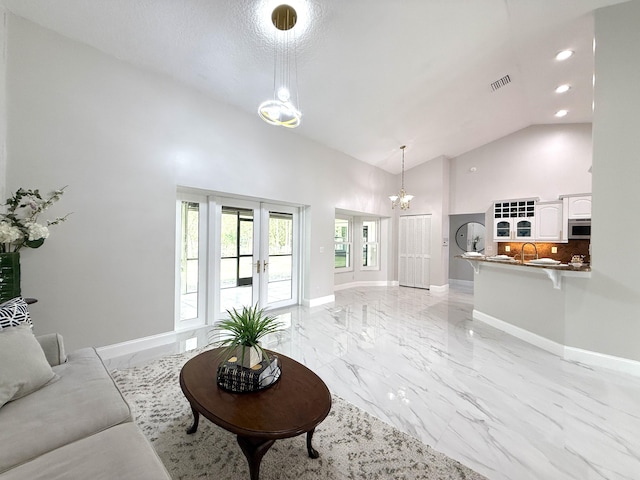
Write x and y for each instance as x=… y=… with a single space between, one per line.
x=9 y=276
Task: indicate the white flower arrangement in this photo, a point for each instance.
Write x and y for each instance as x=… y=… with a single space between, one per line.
x=19 y=227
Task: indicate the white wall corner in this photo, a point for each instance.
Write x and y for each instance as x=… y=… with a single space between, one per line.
x=3 y=104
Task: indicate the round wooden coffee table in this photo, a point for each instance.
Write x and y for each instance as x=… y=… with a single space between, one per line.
x=296 y=404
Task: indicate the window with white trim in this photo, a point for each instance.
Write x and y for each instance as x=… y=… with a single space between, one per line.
x=370 y=244
x=342 y=239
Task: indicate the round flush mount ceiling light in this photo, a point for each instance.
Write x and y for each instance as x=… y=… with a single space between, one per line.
x=561 y=113
x=563 y=88
x=564 y=54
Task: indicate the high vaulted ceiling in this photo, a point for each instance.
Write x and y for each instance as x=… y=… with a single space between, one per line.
x=372 y=74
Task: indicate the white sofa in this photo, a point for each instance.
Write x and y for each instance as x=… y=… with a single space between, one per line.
x=77 y=426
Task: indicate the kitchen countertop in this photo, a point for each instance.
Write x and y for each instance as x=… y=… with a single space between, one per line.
x=554 y=272
x=512 y=261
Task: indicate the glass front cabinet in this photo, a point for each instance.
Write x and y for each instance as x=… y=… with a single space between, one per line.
x=514 y=220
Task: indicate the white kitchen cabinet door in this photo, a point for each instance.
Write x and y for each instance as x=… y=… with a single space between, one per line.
x=524 y=229
x=414 y=251
x=549 y=222
x=580 y=207
x=502 y=230
x=514 y=229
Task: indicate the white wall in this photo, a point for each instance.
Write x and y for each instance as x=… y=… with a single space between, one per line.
x=523 y=297
x=608 y=317
x=124 y=139
x=539 y=161
x=3 y=104
x=429 y=183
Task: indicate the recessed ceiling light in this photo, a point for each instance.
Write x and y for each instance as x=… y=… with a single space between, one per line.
x=563 y=88
x=564 y=54
x=561 y=113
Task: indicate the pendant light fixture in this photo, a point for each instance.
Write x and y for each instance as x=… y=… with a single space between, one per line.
x=280 y=109
x=402 y=199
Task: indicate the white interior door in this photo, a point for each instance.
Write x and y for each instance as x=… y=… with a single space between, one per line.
x=414 y=248
x=256 y=255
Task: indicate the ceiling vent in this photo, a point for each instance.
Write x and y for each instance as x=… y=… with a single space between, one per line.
x=501 y=82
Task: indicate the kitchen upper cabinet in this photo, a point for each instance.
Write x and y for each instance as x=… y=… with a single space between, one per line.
x=528 y=220
x=514 y=220
x=550 y=222
x=579 y=206
x=514 y=229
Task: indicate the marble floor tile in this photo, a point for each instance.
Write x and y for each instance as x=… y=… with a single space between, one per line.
x=507 y=409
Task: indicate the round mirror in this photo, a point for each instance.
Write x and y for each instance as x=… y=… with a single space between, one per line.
x=470 y=237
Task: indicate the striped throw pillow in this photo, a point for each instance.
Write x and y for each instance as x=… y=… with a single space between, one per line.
x=14 y=312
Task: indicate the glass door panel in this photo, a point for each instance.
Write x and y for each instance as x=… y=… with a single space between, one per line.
x=280 y=269
x=189 y=260
x=236 y=258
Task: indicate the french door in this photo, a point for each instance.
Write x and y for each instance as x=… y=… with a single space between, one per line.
x=256 y=250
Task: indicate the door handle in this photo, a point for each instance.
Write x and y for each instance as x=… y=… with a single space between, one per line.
x=264 y=266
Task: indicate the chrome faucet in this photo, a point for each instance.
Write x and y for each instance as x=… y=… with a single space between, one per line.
x=522 y=251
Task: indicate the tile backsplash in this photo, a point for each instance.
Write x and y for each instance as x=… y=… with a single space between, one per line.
x=565 y=250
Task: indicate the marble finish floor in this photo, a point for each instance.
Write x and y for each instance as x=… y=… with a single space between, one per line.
x=506 y=409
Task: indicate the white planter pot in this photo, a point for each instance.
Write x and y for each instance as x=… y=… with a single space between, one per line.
x=249 y=356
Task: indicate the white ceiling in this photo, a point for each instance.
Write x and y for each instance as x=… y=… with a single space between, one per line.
x=372 y=74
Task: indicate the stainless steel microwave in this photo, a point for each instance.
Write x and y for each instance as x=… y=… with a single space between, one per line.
x=579 y=229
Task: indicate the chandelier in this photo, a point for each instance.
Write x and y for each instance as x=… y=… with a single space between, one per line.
x=280 y=109
x=403 y=198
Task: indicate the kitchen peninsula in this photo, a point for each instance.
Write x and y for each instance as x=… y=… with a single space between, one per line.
x=531 y=302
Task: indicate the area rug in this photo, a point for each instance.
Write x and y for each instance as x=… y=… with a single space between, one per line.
x=352 y=444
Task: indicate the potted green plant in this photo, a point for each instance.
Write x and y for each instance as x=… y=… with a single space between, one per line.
x=242 y=332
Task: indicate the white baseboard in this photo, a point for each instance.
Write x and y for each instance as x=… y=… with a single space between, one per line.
x=587 y=357
x=521 y=333
x=439 y=288
x=374 y=283
x=461 y=283
x=603 y=360
x=314 y=302
x=133 y=346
